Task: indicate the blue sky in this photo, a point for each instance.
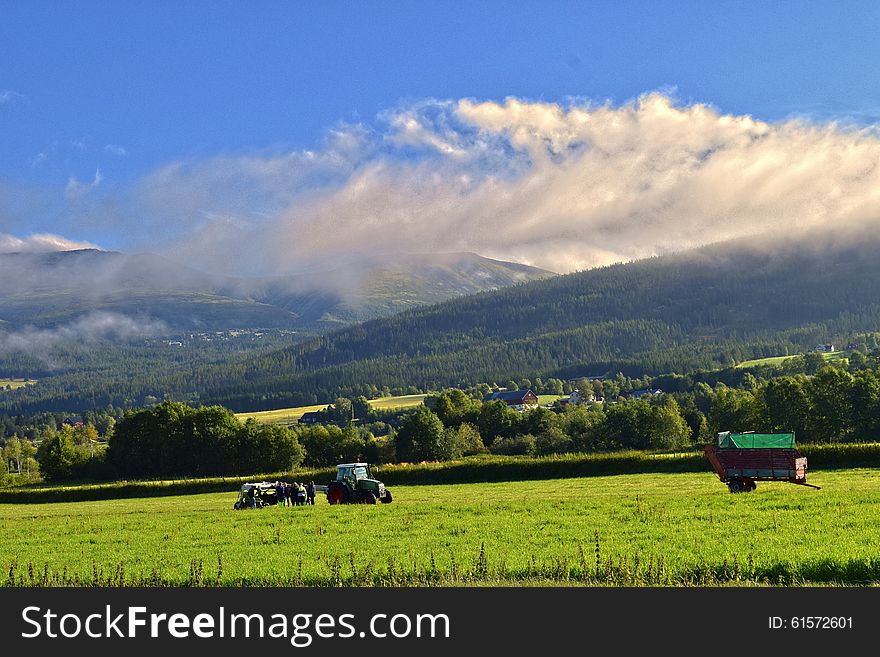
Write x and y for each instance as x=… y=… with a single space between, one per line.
x=127 y=88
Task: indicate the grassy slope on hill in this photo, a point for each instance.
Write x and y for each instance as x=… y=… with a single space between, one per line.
x=285 y=416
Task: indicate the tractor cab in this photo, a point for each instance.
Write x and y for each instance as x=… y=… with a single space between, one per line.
x=354 y=472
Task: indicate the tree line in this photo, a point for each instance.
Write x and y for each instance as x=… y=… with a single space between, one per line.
x=833 y=405
x=835 y=402
x=170 y=439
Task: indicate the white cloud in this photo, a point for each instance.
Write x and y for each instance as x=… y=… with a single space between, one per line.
x=40 y=242
x=8 y=95
x=115 y=149
x=88 y=328
x=559 y=186
x=76 y=189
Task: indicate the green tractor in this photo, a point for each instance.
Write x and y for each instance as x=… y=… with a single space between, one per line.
x=355 y=484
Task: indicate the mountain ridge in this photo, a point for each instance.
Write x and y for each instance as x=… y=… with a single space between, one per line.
x=703 y=308
x=49 y=289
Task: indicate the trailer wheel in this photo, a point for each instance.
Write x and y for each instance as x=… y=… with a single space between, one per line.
x=751 y=485
x=735 y=485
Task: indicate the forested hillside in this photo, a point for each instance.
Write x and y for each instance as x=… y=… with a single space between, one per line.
x=698 y=310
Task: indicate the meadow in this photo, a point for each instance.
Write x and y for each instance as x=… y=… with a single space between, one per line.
x=778 y=360
x=286 y=416
x=14 y=384
x=666 y=528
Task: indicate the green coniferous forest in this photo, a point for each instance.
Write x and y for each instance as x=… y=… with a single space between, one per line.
x=702 y=309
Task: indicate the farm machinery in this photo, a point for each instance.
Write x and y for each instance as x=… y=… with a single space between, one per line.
x=263 y=494
x=355 y=483
x=741 y=459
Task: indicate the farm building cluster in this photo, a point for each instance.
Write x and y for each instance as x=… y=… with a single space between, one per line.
x=520 y=400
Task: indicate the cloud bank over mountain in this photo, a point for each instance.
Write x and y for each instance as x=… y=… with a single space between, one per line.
x=39 y=243
x=562 y=187
x=86 y=329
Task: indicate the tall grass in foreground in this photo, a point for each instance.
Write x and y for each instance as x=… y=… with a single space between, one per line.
x=588 y=566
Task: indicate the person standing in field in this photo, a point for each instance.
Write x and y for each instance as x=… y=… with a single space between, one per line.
x=280 y=491
x=252 y=497
x=300 y=494
x=310 y=493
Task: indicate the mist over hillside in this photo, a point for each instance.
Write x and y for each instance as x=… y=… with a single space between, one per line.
x=51 y=289
x=702 y=308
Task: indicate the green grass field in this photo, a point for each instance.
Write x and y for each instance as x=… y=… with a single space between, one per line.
x=16 y=383
x=287 y=416
x=403 y=401
x=778 y=360
x=655 y=528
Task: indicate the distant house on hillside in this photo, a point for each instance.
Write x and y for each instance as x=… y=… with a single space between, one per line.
x=647 y=392
x=573 y=398
x=312 y=417
x=576 y=397
x=518 y=399
x=824 y=348
x=73 y=421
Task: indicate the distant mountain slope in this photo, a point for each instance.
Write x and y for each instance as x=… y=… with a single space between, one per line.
x=368 y=288
x=699 y=308
x=49 y=289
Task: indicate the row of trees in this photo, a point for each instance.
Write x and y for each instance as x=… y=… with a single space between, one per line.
x=176 y=439
x=72 y=453
x=834 y=405
x=18 y=456
x=171 y=439
x=459 y=426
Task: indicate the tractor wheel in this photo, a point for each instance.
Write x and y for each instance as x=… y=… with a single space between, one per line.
x=387 y=498
x=368 y=498
x=336 y=494
x=735 y=485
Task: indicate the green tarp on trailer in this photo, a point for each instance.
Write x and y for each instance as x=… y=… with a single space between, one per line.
x=729 y=440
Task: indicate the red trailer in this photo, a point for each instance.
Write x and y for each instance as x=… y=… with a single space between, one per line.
x=741 y=459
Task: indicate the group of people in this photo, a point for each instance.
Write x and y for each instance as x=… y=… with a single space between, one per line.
x=295 y=494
